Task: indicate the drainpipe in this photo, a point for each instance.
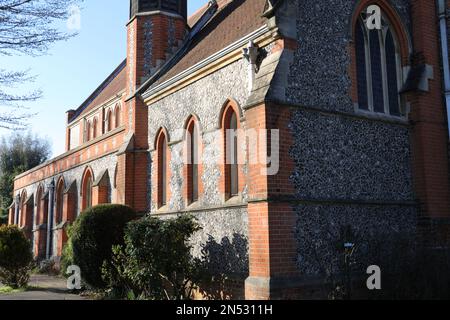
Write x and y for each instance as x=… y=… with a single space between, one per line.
x=445 y=55
x=51 y=191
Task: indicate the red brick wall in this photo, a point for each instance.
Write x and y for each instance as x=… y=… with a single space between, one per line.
x=70 y=160
x=429 y=131
x=11 y=215
x=272 y=245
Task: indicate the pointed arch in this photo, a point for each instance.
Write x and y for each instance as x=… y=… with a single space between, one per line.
x=378 y=58
x=192 y=159
x=117 y=117
x=109 y=120
x=94 y=128
x=162 y=150
x=59 y=200
x=23 y=209
x=88 y=131
x=87 y=183
x=39 y=205
x=393 y=17
x=229 y=103
x=230 y=124
x=158 y=133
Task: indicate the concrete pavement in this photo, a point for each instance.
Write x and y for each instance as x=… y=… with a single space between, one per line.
x=44 y=287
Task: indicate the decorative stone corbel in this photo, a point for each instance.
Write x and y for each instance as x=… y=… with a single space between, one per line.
x=251 y=54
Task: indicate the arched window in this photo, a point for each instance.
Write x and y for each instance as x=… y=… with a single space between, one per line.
x=59 y=201
x=94 y=128
x=23 y=209
x=378 y=68
x=87 y=190
x=88 y=131
x=117 y=116
x=39 y=208
x=231 y=153
x=162 y=169
x=109 y=121
x=193 y=159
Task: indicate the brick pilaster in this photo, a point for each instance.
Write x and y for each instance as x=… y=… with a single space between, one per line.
x=272 y=244
x=428 y=118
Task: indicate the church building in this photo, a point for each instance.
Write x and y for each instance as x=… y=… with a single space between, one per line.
x=276 y=123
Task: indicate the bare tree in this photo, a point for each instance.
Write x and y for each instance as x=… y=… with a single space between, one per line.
x=26 y=27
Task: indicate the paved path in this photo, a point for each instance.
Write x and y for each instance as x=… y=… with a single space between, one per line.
x=44 y=288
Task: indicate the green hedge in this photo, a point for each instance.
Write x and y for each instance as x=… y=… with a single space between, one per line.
x=92 y=237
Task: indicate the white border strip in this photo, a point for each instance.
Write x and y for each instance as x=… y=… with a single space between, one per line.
x=232 y=47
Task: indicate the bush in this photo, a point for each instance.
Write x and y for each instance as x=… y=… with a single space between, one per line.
x=93 y=235
x=15 y=257
x=67 y=252
x=156 y=262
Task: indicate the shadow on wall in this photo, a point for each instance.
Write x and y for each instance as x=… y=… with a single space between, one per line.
x=409 y=268
x=226 y=266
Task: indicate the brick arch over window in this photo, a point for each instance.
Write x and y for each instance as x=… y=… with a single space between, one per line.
x=59 y=200
x=87 y=183
x=394 y=18
x=192 y=159
x=229 y=103
x=158 y=133
x=377 y=60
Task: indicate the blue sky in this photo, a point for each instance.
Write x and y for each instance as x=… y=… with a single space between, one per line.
x=73 y=69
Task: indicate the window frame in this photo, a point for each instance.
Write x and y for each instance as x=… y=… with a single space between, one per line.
x=192 y=165
x=387 y=26
x=162 y=172
x=88 y=184
x=232 y=186
x=94 y=128
x=59 y=201
x=117 y=117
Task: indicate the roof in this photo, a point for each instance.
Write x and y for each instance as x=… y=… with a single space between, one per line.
x=233 y=20
x=113 y=84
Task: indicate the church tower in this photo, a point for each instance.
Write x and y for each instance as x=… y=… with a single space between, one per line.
x=157 y=28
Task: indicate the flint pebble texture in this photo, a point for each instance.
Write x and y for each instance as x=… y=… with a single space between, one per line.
x=345 y=165
x=223 y=239
x=319 y=76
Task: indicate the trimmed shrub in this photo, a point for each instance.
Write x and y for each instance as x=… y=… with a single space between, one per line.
x=156 y=262
x=67 y=252
x=93 y=235
x=15 y=257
